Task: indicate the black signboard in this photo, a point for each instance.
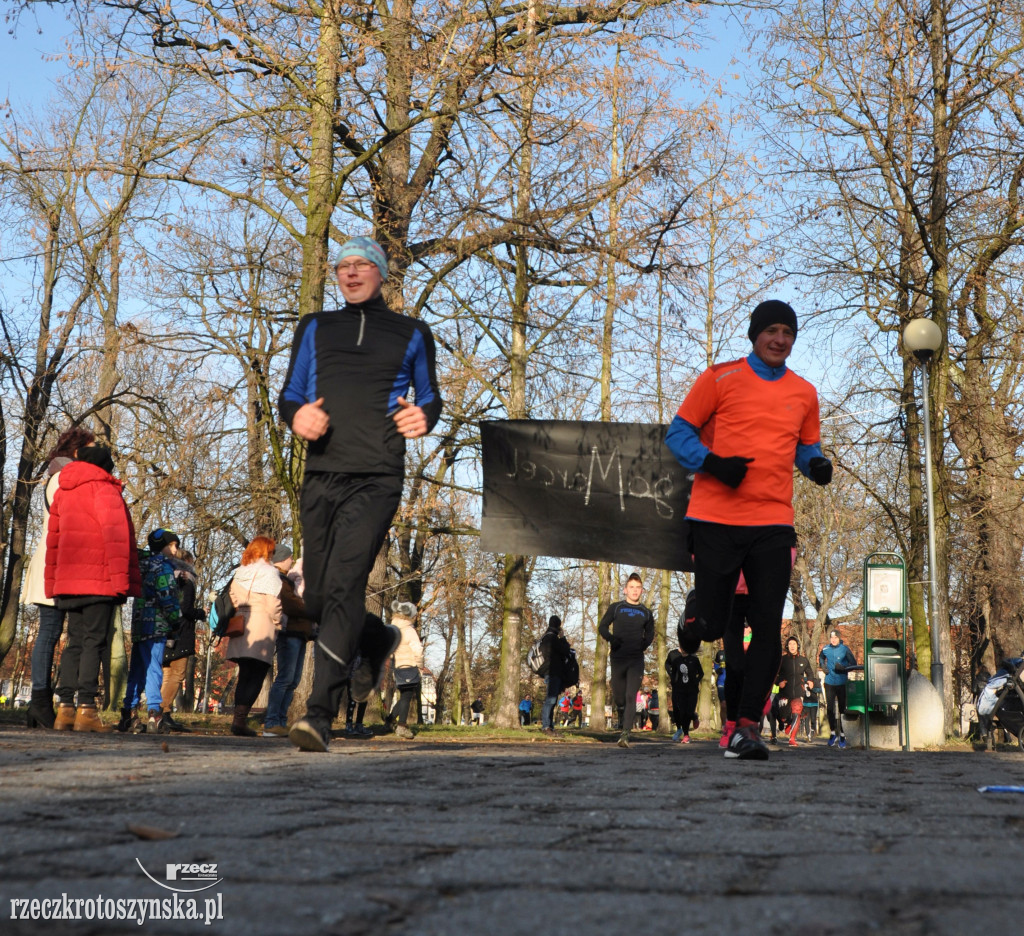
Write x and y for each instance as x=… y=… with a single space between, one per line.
x=587 y=490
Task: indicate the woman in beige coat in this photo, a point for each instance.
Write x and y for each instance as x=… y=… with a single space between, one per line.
x=256 y=595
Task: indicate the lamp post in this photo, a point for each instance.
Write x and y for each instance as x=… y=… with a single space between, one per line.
x=922 y=337
x=211 y=598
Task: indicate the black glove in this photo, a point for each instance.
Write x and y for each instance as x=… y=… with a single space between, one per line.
x=839 y=668
x=730 y=471
x=615 y=643
x=821 y=470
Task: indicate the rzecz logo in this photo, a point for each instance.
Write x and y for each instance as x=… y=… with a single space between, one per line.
x=203 y=874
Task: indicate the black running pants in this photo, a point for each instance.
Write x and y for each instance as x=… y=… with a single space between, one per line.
x=627 y=677
x=835 y=701
x=764 y=555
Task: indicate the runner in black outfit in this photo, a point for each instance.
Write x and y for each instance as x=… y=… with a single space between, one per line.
x=345 y=390
x=628 y=626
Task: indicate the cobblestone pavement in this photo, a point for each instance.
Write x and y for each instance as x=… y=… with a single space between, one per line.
x=478 y=837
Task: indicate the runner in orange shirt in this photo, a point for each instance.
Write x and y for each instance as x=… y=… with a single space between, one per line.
x=742 y=428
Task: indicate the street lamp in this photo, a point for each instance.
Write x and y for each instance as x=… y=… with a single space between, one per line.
x=922 y=337
x=211 y=598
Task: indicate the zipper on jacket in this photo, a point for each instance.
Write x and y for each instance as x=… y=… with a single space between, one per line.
x=362 y=326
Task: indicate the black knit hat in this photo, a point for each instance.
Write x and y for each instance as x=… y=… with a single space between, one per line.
x=771 y=312
x=554 y=623
x=161 y=538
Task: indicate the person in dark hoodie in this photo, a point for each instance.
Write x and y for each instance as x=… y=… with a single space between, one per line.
x=181 y=644
x=51 y=618
x=684 y=676
x=345 y=393
x=154 y=618
x=628 y=626
x=794 y=674
x=91 y=566
x=555 y=649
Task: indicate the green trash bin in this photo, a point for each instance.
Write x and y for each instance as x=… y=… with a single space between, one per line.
x=883 y=671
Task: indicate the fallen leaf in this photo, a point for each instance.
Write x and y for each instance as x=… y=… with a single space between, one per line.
x=151 y=833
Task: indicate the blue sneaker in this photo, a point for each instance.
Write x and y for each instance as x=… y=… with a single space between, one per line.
x=842 y=744
x=677 y=735
x=832 y=740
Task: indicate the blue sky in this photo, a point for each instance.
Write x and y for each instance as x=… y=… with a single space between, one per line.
x=29 y=55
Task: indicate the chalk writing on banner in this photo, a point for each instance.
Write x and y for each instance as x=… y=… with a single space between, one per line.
x=586 y=490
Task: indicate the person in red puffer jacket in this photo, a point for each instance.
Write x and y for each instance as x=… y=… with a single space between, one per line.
x=91 y=566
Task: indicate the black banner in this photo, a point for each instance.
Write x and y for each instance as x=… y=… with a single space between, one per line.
x=587 y=490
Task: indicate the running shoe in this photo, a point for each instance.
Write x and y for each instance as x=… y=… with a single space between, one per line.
x=730 y=727
x=369 y=669
x=308 y=735
x=623 y=739
x=746 y=744
x=832 y=740
x=686 y=739
x=677 y=735
x=842 y=744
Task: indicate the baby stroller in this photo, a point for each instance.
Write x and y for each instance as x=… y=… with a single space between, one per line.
x=1001 y=702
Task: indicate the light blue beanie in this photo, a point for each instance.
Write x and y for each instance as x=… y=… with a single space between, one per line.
x=368 y=249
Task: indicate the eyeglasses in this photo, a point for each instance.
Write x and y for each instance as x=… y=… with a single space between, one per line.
x=358 y=266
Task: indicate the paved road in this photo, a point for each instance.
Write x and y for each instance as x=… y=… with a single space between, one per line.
x=425 y=837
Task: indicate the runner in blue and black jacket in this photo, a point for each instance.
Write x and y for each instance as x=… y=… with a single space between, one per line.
x=345 y=393
x=835 y=659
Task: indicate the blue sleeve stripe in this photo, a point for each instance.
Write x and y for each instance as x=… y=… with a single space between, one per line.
x=414 y=371
x=301 y=386
x=804 y=454
x=683 y=441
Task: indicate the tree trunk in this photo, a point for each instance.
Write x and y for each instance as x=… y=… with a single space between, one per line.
x=599 y=682
x=506 y=700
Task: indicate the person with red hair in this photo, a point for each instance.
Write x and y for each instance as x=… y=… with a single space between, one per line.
x=256 y=595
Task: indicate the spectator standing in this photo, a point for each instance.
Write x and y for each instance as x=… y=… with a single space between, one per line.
x=154 y=618
x=51 y=618
x=835 y=659
x=554 y=649
x=181 y=645
x=345 y=394
x=256 y=595
x=628 y=626
x=91 y=566
x=290 y=647
x=408 y=662
x=653 y=709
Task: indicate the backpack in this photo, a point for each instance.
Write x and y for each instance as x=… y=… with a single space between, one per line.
x=223 y=611
x=570 y=670
x=536 y=659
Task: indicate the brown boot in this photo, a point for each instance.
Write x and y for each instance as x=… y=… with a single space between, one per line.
x=65 y=719
x=238 y=723
x=87 y=718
